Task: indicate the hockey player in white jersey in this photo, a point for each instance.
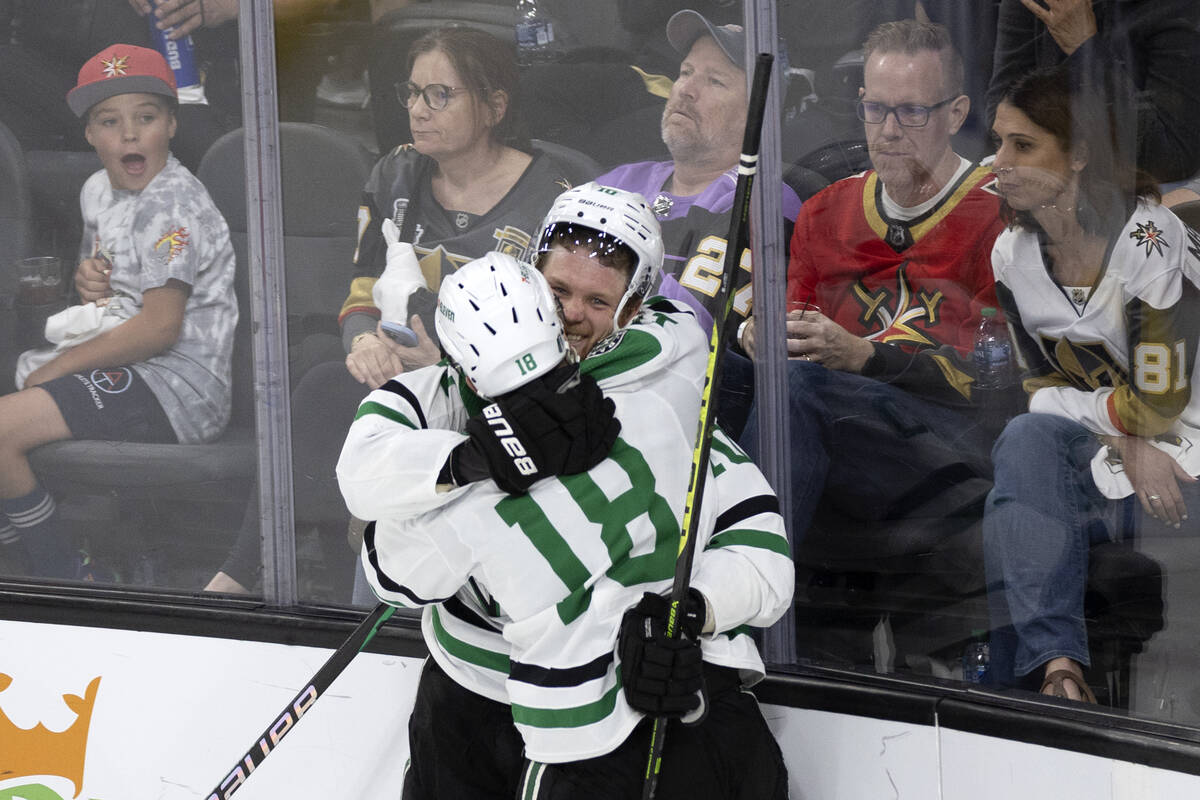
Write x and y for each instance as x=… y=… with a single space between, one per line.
x=526 y=570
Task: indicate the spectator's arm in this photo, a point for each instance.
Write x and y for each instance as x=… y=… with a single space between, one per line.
x=1167 y=39
x=186 y=16
x=1015 y=52
x=359 y=313
x=151 y=331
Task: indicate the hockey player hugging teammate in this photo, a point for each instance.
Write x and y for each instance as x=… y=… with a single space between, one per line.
x=527 y=492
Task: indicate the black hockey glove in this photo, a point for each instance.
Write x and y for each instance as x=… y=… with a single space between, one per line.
x=663 y=677
x=558 y=424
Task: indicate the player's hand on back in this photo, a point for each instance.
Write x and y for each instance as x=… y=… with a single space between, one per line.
x=557 y=424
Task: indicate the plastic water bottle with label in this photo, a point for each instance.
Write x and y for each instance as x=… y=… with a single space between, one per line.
x=535 y=35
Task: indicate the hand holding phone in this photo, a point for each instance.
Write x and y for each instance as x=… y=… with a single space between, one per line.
x=400 y=334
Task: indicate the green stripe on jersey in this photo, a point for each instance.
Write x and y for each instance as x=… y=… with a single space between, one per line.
x=614 y=516
x=730 y=450
x=371 y=407
x=635 y=348
x=525 y=513
x=574 y=717
x=488 y=659
x=532 y=773
x=750 y=538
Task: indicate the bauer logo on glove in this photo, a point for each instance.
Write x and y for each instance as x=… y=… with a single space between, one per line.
x=510 y=444
x=546 y=418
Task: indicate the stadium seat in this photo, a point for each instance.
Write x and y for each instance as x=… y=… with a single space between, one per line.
x=1189 y=212
x=323 y=173
x=580 y=167
x=391 y=37
x=805 y=182
x=16 y=207
x=56 y=178
x=16 y=235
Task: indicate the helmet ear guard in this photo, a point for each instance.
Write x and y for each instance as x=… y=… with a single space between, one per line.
x=498 y=321
x=599 y=217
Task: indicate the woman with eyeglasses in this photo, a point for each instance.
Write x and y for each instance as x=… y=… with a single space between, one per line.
x=468 y=184
x=1100 y=285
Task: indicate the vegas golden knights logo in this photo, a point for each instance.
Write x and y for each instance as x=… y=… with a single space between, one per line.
x=892 y=317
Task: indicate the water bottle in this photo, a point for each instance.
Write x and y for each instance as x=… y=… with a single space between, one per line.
x=993 y=353
x=535 y=35
x=976 y=659
x=180 y=55
x=993 y=395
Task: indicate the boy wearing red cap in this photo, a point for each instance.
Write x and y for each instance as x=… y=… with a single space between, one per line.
x=157 y=263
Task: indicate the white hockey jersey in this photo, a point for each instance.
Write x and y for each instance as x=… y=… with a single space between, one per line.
x=1123 y=361
x=524 y=595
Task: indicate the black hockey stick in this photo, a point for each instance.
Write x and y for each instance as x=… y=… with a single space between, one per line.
x=739 y=217
x=301 y=703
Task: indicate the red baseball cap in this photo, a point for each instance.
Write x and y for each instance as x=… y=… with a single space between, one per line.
x=121 y=69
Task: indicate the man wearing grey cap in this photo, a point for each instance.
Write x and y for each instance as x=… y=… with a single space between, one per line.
x=702 y=126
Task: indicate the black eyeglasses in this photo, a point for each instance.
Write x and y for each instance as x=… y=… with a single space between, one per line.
x=910 y=115
x=437 y=95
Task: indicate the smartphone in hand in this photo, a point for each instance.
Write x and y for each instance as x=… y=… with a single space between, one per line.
x=400 y=334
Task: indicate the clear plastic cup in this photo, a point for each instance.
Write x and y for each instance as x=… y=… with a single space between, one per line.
x=39 y=280
x=797 y=308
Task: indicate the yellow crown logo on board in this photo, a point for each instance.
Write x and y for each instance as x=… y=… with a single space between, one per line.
x=41 y=751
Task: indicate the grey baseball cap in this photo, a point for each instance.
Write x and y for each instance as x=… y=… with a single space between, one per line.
x=686 y=26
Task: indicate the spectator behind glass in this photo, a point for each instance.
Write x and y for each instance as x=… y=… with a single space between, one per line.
x=156 y=254
x=701 y=125
x=1099 y=284
x=41 y=55
x=1143 y=51
x=213 y=26
x=692 y=194
x=889 y=270
x=464 y=187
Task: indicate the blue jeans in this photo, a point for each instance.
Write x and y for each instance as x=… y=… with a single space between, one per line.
x=1042 y=516
x=864 y=451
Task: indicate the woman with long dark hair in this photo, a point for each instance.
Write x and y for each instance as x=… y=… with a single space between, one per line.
x=1099 y=282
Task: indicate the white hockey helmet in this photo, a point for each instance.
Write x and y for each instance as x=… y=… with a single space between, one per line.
x=594 y=216
x=498 y=320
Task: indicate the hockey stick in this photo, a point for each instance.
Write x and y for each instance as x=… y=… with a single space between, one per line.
x=302 y=702
x=739 y=217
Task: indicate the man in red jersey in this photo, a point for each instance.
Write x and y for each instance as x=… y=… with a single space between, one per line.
x=888 y=273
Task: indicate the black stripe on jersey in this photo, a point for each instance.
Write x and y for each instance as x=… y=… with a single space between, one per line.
x=666 y=305
x=556 y=677
x=455 y=607
x=750 y=507
x=395 y=387
x=384 y=581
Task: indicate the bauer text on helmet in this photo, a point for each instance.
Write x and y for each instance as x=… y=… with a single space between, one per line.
x=594 y=216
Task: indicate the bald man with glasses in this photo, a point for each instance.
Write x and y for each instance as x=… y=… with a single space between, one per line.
x=888 y=273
